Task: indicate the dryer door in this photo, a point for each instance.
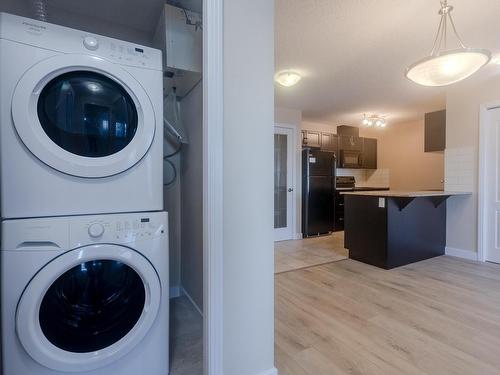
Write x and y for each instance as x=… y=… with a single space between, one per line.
x=83 y=116
x=88 y=307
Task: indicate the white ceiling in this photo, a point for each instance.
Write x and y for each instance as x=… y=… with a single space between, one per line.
x=353 y=54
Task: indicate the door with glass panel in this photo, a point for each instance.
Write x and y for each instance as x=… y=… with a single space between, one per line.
x=284 y=190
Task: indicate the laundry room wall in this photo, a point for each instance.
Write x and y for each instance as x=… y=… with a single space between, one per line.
x=192 y=197
x=80 y=21
x=16 y=7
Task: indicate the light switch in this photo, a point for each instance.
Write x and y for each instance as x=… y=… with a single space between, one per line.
x=381 y=202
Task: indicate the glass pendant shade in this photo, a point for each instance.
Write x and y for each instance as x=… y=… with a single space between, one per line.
x=448 y=67
x=445 y=66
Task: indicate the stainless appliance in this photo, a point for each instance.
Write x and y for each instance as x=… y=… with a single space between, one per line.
x=318 y=192
x=351 y=159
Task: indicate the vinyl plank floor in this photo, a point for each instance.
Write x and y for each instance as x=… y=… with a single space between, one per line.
x=186 y=338
x=439 y=316
x=297 y=254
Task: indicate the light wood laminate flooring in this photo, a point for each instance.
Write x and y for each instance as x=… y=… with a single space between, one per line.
x=297 y=254
x=436 y=317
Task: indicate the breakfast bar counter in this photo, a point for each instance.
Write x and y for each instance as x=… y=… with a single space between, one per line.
x=392 y=228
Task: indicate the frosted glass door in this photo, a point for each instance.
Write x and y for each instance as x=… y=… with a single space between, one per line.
x=283 y=183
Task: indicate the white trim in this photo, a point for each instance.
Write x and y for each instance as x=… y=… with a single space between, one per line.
x=481 y=219
x=213 y=183
x=184 y=292
x=272 y=371
x=298 y=236
x=460 y=253
x=293 y=130
x=174 y=292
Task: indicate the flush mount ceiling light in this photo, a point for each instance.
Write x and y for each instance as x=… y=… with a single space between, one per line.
x=287 y=78
x=446 y=66
x=374 y=120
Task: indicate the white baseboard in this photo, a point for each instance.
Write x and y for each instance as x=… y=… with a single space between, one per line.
x=175 y=291
x=272 y=371
x=192 y=301
x=460 y=253
x=298 y=236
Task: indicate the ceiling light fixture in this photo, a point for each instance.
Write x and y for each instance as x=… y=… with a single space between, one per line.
x=446 y=66
x=376 y=120
x=287 y=78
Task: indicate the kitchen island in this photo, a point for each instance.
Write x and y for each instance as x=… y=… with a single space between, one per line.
x=391 y=228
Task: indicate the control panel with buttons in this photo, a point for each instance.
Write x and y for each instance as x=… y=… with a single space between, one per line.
x=119 y=228
x=66 y=40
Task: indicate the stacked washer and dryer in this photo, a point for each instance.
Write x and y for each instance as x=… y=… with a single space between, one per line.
x=84 y=244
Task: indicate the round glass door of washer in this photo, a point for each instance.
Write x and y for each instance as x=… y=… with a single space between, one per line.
x=88 y=307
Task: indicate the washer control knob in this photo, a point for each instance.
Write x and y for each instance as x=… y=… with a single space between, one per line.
x=96 y=230
x=90 y=43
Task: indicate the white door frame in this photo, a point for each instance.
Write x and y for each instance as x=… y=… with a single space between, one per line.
x=213 y=136
x=482 y=211
x=293 y=207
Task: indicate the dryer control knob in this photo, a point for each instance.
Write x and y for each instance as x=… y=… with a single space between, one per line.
x=91 y=43
x=96 y=230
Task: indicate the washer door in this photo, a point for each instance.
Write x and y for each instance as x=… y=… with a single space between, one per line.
x=83 y=116
x=88 y=307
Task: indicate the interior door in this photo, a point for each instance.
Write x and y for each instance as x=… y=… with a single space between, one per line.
x=284 y=189
x=492 y=186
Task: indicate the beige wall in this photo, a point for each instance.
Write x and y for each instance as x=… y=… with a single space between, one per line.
x=401 y=151
x=462 y=150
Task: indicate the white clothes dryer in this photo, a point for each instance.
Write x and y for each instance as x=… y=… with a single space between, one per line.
x=85 y=295
x=80 y=122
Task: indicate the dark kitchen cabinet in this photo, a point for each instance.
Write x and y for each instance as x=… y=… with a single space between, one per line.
x=329 y=142
x=350 y=143
x=311 y=138
x=435 y=131
x=369 y=153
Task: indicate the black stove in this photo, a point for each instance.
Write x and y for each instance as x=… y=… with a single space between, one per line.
x=345 y=183
x=342 y=184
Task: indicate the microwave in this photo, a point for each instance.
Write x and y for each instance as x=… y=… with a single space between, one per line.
x=351 y=159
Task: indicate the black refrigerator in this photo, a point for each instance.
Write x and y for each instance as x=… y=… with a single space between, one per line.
x=318 y=192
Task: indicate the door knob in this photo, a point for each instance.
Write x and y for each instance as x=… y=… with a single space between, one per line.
x=290 y=190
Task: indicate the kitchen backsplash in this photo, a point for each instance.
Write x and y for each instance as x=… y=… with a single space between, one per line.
x=459 y=169
x=368 y=177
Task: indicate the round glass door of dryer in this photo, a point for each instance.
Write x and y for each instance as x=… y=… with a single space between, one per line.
x=83 y=116
x=87 y=114
x=88 y=307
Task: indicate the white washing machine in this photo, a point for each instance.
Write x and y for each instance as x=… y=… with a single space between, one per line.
x=80 y=122
x=85 y=295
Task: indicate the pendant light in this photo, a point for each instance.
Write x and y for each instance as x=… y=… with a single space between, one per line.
x=446 y=66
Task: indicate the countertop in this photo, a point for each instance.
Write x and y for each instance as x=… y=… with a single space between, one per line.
x=406 y=194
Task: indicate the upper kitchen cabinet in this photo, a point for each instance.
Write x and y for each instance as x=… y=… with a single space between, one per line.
x=435 y=131
x=369 y=153
x=311 y=138
x=330 y=142
x=349 y=139
x=316 y=139
x=350 y=143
